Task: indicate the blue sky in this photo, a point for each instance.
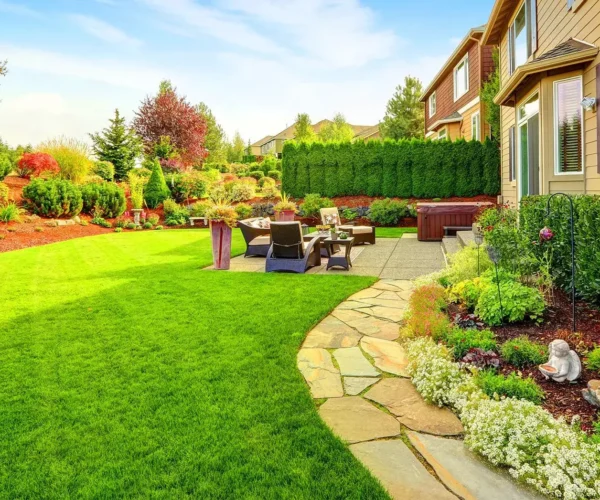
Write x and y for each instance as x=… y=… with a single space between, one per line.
x=256 y=63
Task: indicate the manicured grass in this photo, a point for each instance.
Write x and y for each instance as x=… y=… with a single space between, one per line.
x=126 y=371
x=394 y=232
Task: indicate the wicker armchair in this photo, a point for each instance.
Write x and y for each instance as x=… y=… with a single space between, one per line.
x=258 y=239
x=289 y=252
x=361 y=234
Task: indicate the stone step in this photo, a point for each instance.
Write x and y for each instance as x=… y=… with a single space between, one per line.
x=450 y=245
x=465 y=238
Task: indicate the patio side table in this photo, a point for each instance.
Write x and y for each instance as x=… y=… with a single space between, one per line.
x=338 y=260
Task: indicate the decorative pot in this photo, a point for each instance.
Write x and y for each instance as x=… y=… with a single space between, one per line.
x=285 y=215
x=136 y=215
x=333 y=235
x=221 y=244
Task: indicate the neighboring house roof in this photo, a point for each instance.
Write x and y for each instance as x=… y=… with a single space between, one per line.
x=290 y=132
x=368 y=132
x=565 y=54
x=472 y=36
x=455 y=117
x=264 y=140
x=499 y=17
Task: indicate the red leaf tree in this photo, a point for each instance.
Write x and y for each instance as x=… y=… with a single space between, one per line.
x=169 y=115
x=37 y=165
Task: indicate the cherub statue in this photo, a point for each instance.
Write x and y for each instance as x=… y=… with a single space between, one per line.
x=564 y=363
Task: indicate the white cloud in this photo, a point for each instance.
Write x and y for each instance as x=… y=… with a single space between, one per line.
x=104 y=31
x=21 y=10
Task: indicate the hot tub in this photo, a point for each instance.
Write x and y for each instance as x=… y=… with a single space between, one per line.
x=433 y=217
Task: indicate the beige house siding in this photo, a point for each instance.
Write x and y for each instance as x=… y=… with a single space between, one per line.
x=556 y=25
x=467 y=125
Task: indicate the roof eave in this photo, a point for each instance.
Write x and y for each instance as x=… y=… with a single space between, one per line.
x=437 y=124
x=526 y=70
x=490 y=27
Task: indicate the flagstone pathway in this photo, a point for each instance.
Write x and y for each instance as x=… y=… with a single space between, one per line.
x=353 y=362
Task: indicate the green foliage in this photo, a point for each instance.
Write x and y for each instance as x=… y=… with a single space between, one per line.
x=512 y=386
x=240 y=191
x=199 y=208
x=10 y=213
x=156 y=191
x=53 y=198
x=592 y=361
x=118 y=229
x=274 y=174
x=462 y=340
x=313 y=203
x=106 y=197
x=518 y=302
x=522 y=352
x=303 y=130
x=336 y=130
x=130 y=225
x=117 y=144
x=587 y=228
x=187 y=185
x=175 y=214
x=214 y=141
x=415 y=168
x=72 y=156
x=235 y=149
x=243 y=210
x=349 y=214
x=405 y=114
x=387 y=212
x=463 y=264
x=256 y=174
x=4 y=192
x=6 y=165
x=489 y=90
x=104 y=169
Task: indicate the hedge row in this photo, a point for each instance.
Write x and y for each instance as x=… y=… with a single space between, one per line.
x=587 y=239
x=419 y=169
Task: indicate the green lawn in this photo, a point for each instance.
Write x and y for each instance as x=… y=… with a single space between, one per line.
x=126 y=371
x=386 y=232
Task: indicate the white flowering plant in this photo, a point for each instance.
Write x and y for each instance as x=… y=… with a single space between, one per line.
x=550 y=455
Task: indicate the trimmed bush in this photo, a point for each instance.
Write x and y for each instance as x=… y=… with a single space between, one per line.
x=416 y=168
x=53 y=198
x=313 y=203
x=274 y=174
x=156 y=191
x=387 y=212
x=104 y=169
x=462 y=340
x=522 y=352
x=107 y=197
x=511 y=386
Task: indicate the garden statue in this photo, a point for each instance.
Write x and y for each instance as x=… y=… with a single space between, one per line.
x=564 y=363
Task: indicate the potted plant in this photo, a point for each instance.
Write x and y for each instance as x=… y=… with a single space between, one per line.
x=136 y=188
x=285 y=210
x=222 y=218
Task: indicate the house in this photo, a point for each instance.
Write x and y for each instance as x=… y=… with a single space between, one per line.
x=550 y=81
x=274 y=143
x=453 y=109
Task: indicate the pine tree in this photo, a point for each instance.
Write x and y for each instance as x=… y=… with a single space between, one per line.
x=156 y=190
x=117 y=144
x=489 y=90
x=405 y=114
x=303 y=131
x=214 y=140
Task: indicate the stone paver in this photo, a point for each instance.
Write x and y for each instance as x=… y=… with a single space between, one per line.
x=373 y=327
x=355 y=385
x=365 y=294
x=352 y=363
x=399 y=471
x=401 y=398
x=390 y=313
x=464 y=473
x=322 y=377
x=331 y=333
x=354 y=420
x=348 y=315
x=389 y=356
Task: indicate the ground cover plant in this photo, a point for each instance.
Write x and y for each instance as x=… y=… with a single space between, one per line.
x=127 y=371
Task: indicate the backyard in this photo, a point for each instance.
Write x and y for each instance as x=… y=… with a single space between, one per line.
x=129 y=371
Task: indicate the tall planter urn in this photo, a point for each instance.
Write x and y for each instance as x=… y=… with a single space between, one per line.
x=221 y=244
x=285 y=215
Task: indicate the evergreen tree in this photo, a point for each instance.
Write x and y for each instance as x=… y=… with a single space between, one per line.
x=338 y=130
x=235 y=150
x=303 y=129
x=490 y=88
x=214 y=140
x=118 y=145
x=156 y=191
x=405 y=114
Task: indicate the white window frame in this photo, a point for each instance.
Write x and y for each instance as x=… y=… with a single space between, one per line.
x=465 y=61
x=445 y=136
x=555 y=125
x=476 y=127
x=432 y=104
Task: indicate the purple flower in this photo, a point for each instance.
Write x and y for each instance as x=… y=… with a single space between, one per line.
x=546 y=234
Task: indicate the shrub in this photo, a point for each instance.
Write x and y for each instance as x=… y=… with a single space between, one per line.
x=156 y=190
x=199 y=208
x=37 y=165
x=481 y=358
x=153 y=219
x=10 y=213
x=118 y=229
x=426 y=316
x=256 y=174
x=240 y=191
x=104 y=169
x=53 y=198
x=461 y=341
x=270 y=191
x=521 y=352
x=130 y=225
x=463 y=264
x=518 y=302
x=187 y=185
x=147 y=225
x=175 y=215
x=6 y=165
x=158 y=228
x=4 y=192
x=592 y=361
x=387 y=212
x=349 y=214
x=467 y=292
x=266 y=181
x=313 y=203
x=106 y=197
x=72 y=156
x=243 y=210
x=511 y=386
x=274 y=174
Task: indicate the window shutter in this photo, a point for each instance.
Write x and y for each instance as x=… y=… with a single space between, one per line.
x=511 y=154
x=533 y=24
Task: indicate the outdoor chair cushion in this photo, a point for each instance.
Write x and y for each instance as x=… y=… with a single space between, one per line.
x=261 y=240
x=360 y=229
x=261 y=223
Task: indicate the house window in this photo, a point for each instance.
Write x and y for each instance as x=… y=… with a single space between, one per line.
x=475 y=127
x=522 y=35
x=461 y=78
x=432 y=104
x=443 y=134
x=574 y=4
x=568 y=126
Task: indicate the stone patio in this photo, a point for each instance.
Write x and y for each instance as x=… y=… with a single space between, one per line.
x=390 y=258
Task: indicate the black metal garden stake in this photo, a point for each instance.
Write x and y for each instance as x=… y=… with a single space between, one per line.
x=572 y=221
x=478 y=234
x=495 y=258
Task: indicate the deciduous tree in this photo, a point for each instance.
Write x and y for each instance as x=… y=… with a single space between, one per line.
x=303 y=129
x=490 y=88
x=214 y=141
x=117 y=144
x=405 y=114
x=235 y=149
x=337 y=130
x=170 y=115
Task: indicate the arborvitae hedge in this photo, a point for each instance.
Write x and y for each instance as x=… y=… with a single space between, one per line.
x=416 y=168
